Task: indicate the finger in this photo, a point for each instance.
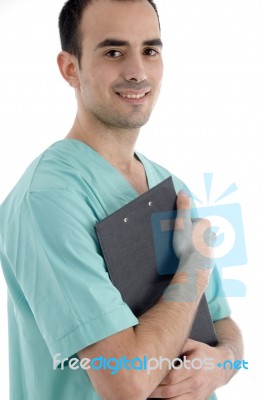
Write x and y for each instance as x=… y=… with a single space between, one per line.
x=202 y=237
x=189 y=346
x=171 y=391
x=209 y=233
x=183 y=210
x=176 y=375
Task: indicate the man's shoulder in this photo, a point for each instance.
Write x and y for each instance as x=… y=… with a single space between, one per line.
x=53 y=170
x=57 y=168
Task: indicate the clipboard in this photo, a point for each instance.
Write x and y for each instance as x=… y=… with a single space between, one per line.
x=137 y=245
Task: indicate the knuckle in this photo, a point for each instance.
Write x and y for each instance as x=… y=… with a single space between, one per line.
x=197 y=383
x=168 y=391
x=205 y=222
x=171 y=379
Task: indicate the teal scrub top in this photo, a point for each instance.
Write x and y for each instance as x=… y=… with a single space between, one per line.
x=60 y=297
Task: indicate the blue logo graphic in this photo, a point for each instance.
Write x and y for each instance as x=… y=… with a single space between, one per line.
x=237 y=364
x=227 y=223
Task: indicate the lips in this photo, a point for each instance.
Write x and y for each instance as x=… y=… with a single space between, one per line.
x=134 y=97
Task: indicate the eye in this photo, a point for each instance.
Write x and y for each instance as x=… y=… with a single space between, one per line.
x=150 y=52
x=113 y=54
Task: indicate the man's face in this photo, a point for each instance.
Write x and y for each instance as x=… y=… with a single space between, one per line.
x=121 y=65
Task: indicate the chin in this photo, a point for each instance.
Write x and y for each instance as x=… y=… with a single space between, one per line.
x=134 y=124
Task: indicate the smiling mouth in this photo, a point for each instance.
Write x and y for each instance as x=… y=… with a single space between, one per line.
x=133 y=96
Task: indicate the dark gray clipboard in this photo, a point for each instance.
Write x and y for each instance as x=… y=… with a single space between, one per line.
x=130 y=242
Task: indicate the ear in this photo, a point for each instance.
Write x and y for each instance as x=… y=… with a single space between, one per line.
x=68 y=66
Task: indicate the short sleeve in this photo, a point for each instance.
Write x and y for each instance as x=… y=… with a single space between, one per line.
x=62 y=274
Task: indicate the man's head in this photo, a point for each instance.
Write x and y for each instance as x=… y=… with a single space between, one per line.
x=70 y=31
x=118 y=68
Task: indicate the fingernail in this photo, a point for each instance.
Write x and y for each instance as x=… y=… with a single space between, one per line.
x=183 y=193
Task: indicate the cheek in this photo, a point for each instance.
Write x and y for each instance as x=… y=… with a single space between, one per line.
x=156 y=73
x=93 y=87
x=104 y=74
x=161 y=70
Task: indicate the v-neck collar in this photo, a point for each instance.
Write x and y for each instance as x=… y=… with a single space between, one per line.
x=149 y=173
x=151 y=181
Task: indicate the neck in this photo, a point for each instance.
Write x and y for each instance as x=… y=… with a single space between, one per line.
x=114 y=144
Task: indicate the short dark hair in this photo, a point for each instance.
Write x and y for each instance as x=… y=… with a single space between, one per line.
x=70 y=21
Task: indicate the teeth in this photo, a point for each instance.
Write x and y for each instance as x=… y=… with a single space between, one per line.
x=133 y=96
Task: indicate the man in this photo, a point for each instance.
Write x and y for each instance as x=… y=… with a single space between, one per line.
x=61 y=301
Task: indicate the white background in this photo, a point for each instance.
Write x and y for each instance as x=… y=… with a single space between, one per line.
x=210 y=118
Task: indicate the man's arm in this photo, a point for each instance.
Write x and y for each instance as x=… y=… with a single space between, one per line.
x=193 y=384
x=230 y=343
x=163 y=329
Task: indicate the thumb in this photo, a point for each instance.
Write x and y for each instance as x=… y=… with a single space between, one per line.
x=183 y=210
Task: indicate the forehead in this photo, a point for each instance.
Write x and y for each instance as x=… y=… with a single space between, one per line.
x=132 y=21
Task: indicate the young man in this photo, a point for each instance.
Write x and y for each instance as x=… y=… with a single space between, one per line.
x=61 y=300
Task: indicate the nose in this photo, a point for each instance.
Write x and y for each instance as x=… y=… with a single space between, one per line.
x=134 y=69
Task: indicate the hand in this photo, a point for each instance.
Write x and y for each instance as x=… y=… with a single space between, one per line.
x=192 y=243
x=194 y=384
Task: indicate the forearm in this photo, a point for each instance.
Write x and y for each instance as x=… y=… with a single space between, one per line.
x=162 y=331
x=164 y=328
x=230 y=343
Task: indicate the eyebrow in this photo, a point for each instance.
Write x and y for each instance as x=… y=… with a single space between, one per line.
x=109 y=42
